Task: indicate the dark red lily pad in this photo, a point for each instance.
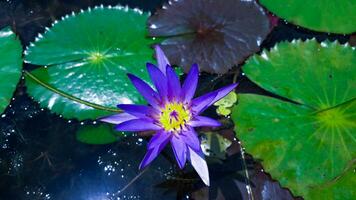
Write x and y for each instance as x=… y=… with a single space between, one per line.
x=217 y=35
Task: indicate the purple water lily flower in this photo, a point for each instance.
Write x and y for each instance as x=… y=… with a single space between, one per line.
x=172 y=112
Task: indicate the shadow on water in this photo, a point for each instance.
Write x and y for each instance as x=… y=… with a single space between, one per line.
x=41 y=159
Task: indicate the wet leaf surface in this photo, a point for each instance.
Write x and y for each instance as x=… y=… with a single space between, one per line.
x=85 y=77
x=305 y=140
x=214 y=35
x=10 y=65
x=319 y=15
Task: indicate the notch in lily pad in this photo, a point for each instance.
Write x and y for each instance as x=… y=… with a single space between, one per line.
x=309 y=145
x=83 y=60
x=215 y=35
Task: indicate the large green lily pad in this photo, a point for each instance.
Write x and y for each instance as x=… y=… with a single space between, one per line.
x=10 y=65
x=85 y=59
x=319 y=15
x=309 y=145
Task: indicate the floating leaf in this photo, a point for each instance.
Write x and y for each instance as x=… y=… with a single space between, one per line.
x=225 y=104
x=10 y=65
x=215 y=35
x=88 y=56
x=101 y=134
x=307 y=145
x=319 y=15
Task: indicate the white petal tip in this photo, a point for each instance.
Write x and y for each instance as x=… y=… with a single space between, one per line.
x=200 y=166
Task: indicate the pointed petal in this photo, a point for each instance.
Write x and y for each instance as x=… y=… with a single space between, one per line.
x=145 y=90
x=161 y=59
x=201 y=103
x=155 y=146
x=180 y=150
x=159 y=138
x=158 y=79
x=190 y=137
x=150 y=155
x=220 y=93
x=203 y=121
x=174 y=89
x=140 y=111
x=200 y=166
x=118 y=118
x=190 y=83
x=137 y=125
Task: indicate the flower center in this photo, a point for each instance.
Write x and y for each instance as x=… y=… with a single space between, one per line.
x=174 y=116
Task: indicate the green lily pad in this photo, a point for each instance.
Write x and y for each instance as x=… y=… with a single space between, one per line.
x=319 y=15
x=98 y=134
x=309 y=142
x=85 y=58
x=10 y=65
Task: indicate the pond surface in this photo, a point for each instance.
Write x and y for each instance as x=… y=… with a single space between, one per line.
x=40 y=157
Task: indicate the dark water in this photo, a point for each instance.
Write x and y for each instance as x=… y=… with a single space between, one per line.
x=41 y=159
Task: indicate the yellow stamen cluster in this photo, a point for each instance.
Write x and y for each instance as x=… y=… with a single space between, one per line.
x=174 y=116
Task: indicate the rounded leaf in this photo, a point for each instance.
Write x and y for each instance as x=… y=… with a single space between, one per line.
x=212 y=34
x=86 y=57
x=10 y=65
x=309 y=145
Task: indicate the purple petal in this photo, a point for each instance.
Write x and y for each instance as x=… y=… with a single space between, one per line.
x=190 y=137
x=155 y=146
x=203 y=102
x=190 y=83
x=137 y=125
x=140 y=111
x=220 y=93
x=150 y=155
x=203 y=121
x=200 y=166
x=161 y=59
x=159 y=138
x=158 y=79
x=146 y=91
x=174 y=89
x=118 y=118
x=180 y=150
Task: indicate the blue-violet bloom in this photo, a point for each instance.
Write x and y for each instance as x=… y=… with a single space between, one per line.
x=172 y=112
